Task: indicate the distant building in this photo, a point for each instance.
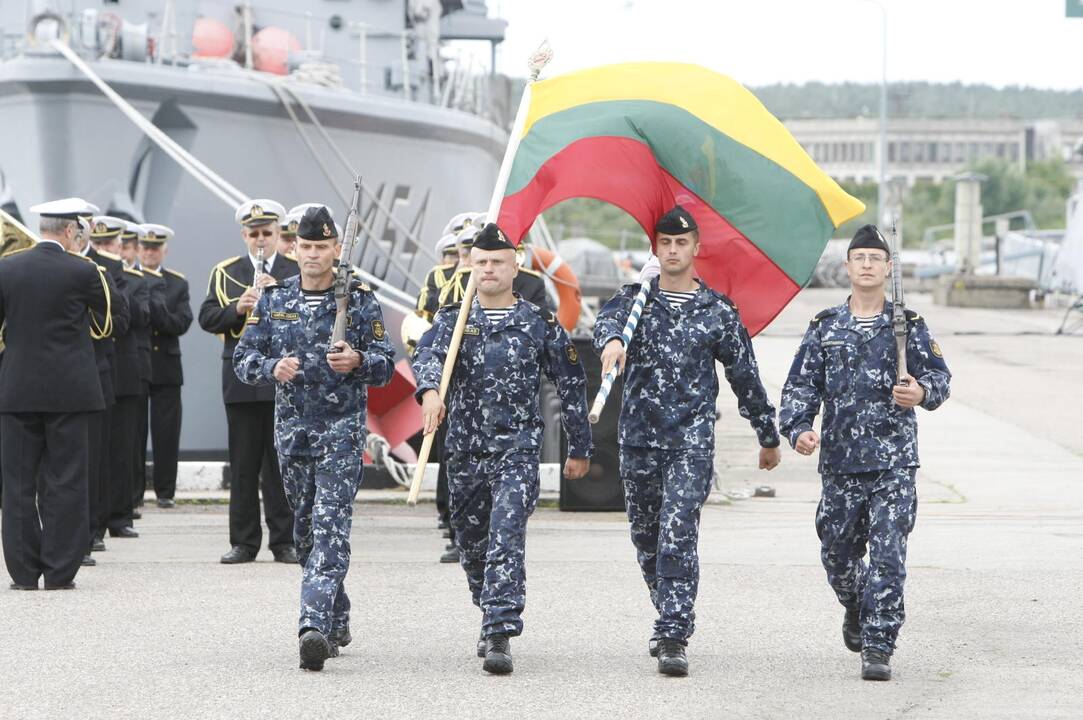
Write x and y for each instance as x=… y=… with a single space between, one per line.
x=933 y=150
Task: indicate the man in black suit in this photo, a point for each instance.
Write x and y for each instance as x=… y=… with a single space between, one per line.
x=231 y=295
x=124 y=430
x=170 y=317
x=104 y=232
x=48 y=386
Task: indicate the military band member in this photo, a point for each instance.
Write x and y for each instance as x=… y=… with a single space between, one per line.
x=231 y=295
x=667 y=421
x=104 y=235
x=287 y=236
x=129 y=388
x=170 y=317
x=495 y=430
x=848 y=363
x=447 y=253
x=49 y=384
x=320 y=393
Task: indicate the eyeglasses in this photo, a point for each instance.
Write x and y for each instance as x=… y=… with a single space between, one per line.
x=256 y=233
x=861 y=258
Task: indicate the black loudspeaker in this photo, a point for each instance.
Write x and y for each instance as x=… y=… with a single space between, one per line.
x=600 y=488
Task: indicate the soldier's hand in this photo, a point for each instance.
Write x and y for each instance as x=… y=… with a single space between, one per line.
x=769 y=458
x=613 y=354
x=286 y=369
x=343 y=358
x=908 y=395
x=247 y=301
x=807 y=442
x=433 y=410
x=575 y=468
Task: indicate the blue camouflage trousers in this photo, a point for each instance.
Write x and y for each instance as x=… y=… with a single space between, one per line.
x=873 y=511
x=664 y=491
x=321 y=491
x=491 y=496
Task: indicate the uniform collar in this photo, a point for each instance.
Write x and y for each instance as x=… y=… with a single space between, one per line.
x=46 y=242
x=703 y=295
x=844 y=318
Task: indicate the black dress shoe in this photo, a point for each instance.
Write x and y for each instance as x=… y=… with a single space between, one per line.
x=451 y=556
x=166 y=503
x=20 y=586
x=875 y=665
x=497 y=655
x=65 y=586
x=238 y=554
x=851 y=630
x=98 y=545
x=672 y=659
x=124 y=532
x=286 y=555
x=88 y=561
x=314 y=649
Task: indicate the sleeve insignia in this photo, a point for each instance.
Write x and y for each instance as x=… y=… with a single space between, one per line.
x=935 y=349
x=253 y=320
x=378 y=330
x=572 y=353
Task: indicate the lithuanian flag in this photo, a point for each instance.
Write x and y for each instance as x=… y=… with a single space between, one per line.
x=648 y=136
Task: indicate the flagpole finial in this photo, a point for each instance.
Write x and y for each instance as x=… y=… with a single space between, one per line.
x=539 y=59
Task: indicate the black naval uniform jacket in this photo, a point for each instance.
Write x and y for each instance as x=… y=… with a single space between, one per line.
x=128 y=365
x=105 y=347
x=218 y=315
x=49 y=364
x=170 y=317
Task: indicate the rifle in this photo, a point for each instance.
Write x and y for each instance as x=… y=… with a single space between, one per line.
x=898 y=315
x=345 y=267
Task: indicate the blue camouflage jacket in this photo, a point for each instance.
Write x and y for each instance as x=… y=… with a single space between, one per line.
x=320 y=411
x=851 y=372
x=670 y=382
x=493 y=397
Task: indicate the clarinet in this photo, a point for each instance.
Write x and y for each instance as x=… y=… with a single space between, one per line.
x=259 y=271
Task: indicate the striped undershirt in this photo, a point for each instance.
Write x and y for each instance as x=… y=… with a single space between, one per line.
x=315 y=298
x=676 y=299
x=865 y=323
x=495 y=315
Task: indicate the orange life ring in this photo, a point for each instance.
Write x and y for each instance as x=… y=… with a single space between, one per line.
x=567 y=284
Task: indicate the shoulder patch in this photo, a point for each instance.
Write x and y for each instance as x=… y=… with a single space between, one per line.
x=174 y=273
x=133 y=271
x=227 y=262
x=81 y=256
x=912 y=316
x=529 y=271
x=571 y=353
x=824 y=314
x=362 y=286
x=20 y=250
x=109 y=255
x=154 y=273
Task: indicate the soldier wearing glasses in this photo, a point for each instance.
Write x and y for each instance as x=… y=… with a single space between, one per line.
x=235 y=287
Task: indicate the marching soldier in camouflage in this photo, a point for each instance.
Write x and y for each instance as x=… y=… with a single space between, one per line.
x=848 y=363
x=320 y=407
x=666 y=427
x=495 y=431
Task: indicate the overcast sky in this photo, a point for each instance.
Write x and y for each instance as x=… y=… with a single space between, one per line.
x=758 y=42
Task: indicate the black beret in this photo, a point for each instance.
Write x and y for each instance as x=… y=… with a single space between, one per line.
x=316 y=224
x=676 y=222
x=492 y=238
x=868 y=236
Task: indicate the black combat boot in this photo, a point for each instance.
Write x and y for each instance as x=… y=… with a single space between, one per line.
x=481 y=644
x=875 y=665
x=497 y=655
x=851 y=630
x=652 y=646
x=339 y=639
x=671 y=657
x=314 y=649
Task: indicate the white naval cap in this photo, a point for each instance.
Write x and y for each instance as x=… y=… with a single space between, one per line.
x=478 y=218
x=259 y=212
x=290 y=223
x=457 y=223
x=71 y=208
x=465 y=239
x=445 y=244
x=154 y=234
x=133 y=231
x=106 y=226
x=299 y=210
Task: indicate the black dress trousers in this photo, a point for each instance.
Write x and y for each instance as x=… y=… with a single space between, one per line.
x=165 y=426
x=252 y=458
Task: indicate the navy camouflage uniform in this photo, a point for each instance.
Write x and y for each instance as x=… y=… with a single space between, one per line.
x=666 y=431
x=319 y=428
x=868 y=455
x=494 y=438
